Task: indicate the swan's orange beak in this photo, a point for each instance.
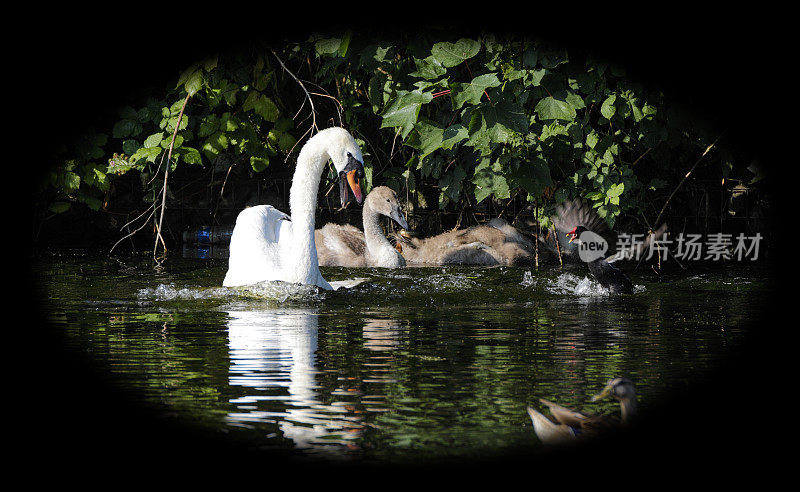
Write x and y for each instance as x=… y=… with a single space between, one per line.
x=350 y=177
x=352 y=180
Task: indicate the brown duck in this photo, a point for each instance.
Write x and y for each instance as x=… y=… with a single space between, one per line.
x=568 y=425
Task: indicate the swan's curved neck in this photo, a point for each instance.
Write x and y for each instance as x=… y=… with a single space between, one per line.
x=303 y=205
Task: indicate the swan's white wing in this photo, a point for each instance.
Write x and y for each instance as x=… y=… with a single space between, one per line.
x=258 y=242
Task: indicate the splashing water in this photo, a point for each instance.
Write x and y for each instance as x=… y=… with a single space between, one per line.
x=267 y=290
x=568 y=283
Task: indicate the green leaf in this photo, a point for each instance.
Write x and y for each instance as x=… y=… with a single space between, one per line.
x=130 y=146
x=194 y=82
x=533 y=176
x=575 y=101
x=148 y=154
x=608 y=109
x=529 y=58
x=329 y=46
x=489 y=180
x=59 y=207
x=428 y=68
x=126 y=128
x=616 y=190
x=153 y=140
x=427 y=137
x=267 y=109
x=191 y=155
x=450 y=184
x=473 y=91
x=259 y=163
x=404 y=109
x=551 y=108
x=71 y=181
x=452 y=54
x=91 y=202
x=208 y=126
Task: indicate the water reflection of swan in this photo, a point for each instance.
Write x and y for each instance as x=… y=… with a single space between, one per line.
x=277 y=349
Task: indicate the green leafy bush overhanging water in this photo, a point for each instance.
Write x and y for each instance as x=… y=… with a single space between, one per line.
x=469 y=118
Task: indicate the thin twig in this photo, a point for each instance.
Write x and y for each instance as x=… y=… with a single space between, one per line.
x=300 y=83
x=558 y=248
x=655 y=223
x=166 y=176
x=640 y=157
x=144 y=223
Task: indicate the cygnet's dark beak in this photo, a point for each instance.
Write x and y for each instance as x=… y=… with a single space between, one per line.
x=397 y=216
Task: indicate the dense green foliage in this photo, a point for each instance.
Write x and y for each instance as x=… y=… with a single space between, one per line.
x=469 y=118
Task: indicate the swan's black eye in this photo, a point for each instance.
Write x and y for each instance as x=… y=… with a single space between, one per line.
x=349 y=154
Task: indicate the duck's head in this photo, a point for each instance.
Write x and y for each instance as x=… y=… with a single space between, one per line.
x=618 y=388
x=576 y=232
x=383 y=200
x=348 y=161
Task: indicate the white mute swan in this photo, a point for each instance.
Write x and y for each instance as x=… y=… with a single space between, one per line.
x=345 y=245
x=267 y=244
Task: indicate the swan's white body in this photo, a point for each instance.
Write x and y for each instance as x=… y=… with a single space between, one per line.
x=267 y=244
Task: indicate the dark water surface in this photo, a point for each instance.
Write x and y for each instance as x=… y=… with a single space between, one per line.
x=417 y=362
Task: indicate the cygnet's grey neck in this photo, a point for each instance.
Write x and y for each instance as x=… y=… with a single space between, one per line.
x=373 y=234
x=628 y=408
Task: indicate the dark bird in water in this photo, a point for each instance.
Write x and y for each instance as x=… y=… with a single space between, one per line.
x=568 y=425
x=568 y=215
x=577 y=212
x=609 y=275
